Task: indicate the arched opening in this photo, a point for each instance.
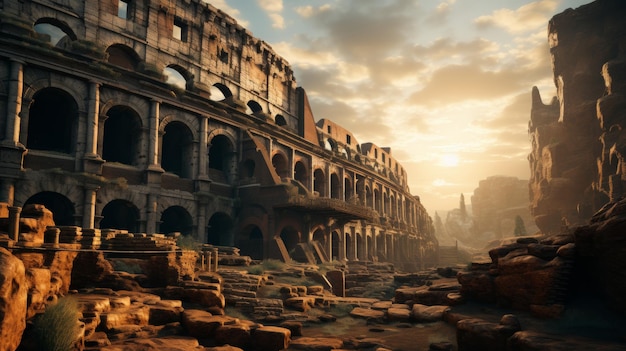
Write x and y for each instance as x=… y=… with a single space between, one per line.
x=320 y=237
x=220 y=159
x=253 y=107
x=60 y=33
x=122 y=56
x=61 y=207
x=250 y=242
x=52 y=121
x=359 y=247
x=120 y=214
x=369 y=199
x=335 y=246
x=380 y=246
x=280 y=120
x=219 y=92
x=335 y=186
x=386 y=208
x=319 y=182
x=330 y=144
x=347 y=189
x=177 y=149
x=370 y=248
x=377 y=200
x=350 y=254
x=290 y=238
x=280 y=165
x=177 y=77
x=220 y=229
x=300 y=173
x=122 y=135
x=176 y=219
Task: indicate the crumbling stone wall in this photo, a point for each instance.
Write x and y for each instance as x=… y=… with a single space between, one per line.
x=575 y=158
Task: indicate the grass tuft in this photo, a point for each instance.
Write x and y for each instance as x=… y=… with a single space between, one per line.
x=57 y=328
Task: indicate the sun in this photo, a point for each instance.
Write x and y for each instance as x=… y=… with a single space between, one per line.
x=449 y=160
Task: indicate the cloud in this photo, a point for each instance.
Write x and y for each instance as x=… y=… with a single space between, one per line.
x=526 y=18
x=310 y=11
x=273 y=8
x=231 y=11
x=442 y=11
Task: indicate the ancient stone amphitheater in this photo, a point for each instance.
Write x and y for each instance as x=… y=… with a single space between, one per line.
x=167 y=116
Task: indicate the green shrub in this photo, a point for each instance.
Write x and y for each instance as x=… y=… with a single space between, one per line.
x=126 y=266
x=187 y=242
x=57 y=328
x=266 y=265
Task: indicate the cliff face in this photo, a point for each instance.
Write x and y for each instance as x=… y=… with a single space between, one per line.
x=496 y=203
x=576 y=159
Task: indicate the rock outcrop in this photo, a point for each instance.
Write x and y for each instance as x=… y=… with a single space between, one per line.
x=13 y=300
x=576 y=159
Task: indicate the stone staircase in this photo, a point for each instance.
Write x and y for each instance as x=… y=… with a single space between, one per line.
x=448 y=256
x=240 y=290
x=368 y=279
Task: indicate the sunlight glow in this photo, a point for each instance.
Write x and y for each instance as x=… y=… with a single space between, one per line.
x=449 y=160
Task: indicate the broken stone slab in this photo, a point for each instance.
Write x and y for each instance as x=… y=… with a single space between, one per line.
x=93 y=303
x=160 y=315
x=234 y=334
x=477 y=334
x=170 y=343
x=398 y=314
x=381 y=305
x=423 y=313
x=316 y=344
x=271 y=338
x=138 y=315
x=531 y=340
x=302 y=304
x=202 y=324
x=13 y=300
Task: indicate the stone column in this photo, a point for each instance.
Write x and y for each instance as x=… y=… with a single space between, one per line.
x=14 y=104
x=153 y=137
x=353 y=253
x=89 y=206
x=374 y=248
x=203 y=150
x=151 y=213
x=91 y=148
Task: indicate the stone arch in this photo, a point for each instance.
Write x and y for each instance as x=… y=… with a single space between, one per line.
x=280 y=164
x=110 y=98
x=301 y=173
x=122 y=135
x=52 y=121
x=176 y=149
x=220 y=230
x=222 y=158
x=62 y=208
x=348 y=191
x=319 y=182
x=52 y=182
x=178 y=76
x=120 y=214
x=123 y=56
x=108 y=194
x=220 y=92
x=176 y=219
x=247 y=169
x=52 y=27
x=254 y=107
x=335 y=186
x=320 y=236
x=280 y=120
x=336 y=244
x=359 y=247
x=250 y=241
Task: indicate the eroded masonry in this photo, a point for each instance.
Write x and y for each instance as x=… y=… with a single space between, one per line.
x=167 y=116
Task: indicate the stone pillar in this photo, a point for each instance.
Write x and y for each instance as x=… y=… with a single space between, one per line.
x=215 y=259
x=14 y=104
x=93 y=112
x=374 y=248
x=89 y=206
x=203 y=150
x=342 y=245
x=353 y=251
x=14 y=222
x=151 y=213
x=153 y=137
x=7 y=191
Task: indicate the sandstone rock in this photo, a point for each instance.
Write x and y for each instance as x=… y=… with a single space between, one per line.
x=160 y=315
x=294 y=327
x=202 y=324
x=13 y=300
x=301 y=303
x=38 y=290
x=138 y=315
x=381 y=305
x=271 y=338
x=399 y=314
x=204 y=297
x=89 y=269
x=93 y=303
x=423 y=313
x=223 y=348
x=477 y=334
x=34 y=220
x=234 y=335
x=478 y=285
x=531 y=340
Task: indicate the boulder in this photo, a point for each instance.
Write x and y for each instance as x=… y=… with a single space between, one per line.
x=399 y=314
x=233 y=334
x=477 y=334
x=423 y=313
x=13 y=300
x=367 y=313
x=138 y=315
x=38 y=290
x=169 y=343
x=202 y=324
x=34 y=220
x=316 y=344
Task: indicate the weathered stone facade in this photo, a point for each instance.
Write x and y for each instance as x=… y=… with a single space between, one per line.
x=168 y=116
x=577 y=159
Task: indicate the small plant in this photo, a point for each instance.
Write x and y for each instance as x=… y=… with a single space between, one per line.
x=57 y=328
x=266 y=265
x=126 y=266
x=187 y=242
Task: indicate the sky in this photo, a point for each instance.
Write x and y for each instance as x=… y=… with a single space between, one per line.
x=445 y=84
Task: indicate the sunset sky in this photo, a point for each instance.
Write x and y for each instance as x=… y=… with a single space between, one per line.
x=445 y=83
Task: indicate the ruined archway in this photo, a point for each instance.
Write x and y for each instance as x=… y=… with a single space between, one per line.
x=52 y=121
x=280 y=120
x=59 y=32
x=300 y=174
x=335 y=186
x=219 y=92
x=122 y=135
x=336 y=242
x=319 y=182
x=120 y=214
x=220 y=229
x=220 y=158
x=176 y=219
x=177 y=149
x=279 y=161
x=250 y=242
x=347 y=190
x=122 y=56
x=320 y=237
x=61 y=207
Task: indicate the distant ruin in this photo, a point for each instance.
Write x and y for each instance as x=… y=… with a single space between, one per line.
x=160 y=117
